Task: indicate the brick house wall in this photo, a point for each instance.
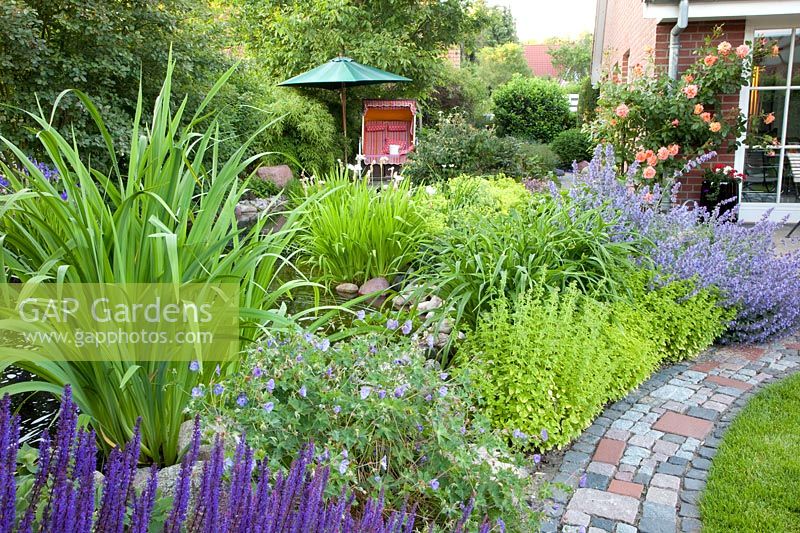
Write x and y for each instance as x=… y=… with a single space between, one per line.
x=628 y=36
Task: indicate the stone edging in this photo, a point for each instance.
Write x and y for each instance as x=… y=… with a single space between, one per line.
x=642 y=464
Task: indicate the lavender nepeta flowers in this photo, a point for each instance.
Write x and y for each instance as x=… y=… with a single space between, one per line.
x=392 y=324
x=218 y=389
x=194 y=366
x=406 y=329
x=241 y=400
x=434 y=483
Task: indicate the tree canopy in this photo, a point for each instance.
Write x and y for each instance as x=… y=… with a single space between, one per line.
x=572 y=59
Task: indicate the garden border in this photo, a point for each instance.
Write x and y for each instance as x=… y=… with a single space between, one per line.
x=642 y=465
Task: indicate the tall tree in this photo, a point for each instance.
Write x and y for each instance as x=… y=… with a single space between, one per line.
x=497 y=65
x=572 y=59
x=103 y=47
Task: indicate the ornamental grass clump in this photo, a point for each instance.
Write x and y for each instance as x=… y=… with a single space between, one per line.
x=353 y=231
x=736 y=261
x=228 y=495
x=165 y=215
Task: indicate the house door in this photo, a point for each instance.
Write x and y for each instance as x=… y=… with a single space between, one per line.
x=772 y=171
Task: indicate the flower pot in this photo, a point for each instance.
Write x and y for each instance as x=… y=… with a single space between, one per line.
x=724 y=194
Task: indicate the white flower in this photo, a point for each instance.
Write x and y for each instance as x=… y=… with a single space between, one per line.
x=430 y=190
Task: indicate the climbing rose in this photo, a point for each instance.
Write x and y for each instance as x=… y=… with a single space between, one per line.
x=622 y=111
x=698 y=108
x=674 y=149
x=652 y=160
x=706 y=116
x=709 y=60
x=688 y=78
x=649 y=173
x=690 y=91
x=742 y=51
x=638 y=70
x=715 y=126
x=769 y=119
x=663 y=153
x=724 y=48
x=641 y=156
x=676 y=122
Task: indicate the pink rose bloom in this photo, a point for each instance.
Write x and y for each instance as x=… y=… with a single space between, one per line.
x=641 y=156
x=690 y=91
x=674 y=149
x=706 y=116
x=675 y=123
x=622 y=111
x=724 y=48
x=663 y=153
x=715 y=126
x=652 y=160
x=769 y=119
x=649 y=173
x=709 y=60
x=742 y=51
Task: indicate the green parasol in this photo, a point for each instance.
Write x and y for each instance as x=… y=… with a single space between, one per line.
x=341 y=73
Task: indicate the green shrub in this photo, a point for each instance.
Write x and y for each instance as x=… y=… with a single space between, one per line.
x=542 y=242
x=531 y=108
x=572 y=146
x=302 y=131
x=353 y=231
x=544 y=154
x=551 y=359
x=383 y=417
x=687 y=320
x=454 y=147
x=587 y=101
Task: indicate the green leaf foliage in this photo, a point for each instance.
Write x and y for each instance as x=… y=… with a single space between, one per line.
x=354 y=231
x=572 y=145
x=169 y=218
x=551 y=359
x=531 y=108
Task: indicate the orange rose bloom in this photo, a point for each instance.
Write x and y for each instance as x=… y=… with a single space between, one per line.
x=613 y=122
x=674 y=149
x=698 y=108
x=638 y=70
x=709 y=60
x=776 y=51
x=724 y=48
x=690 y=91
x=688 y=78
x=663 y=153
x=652 y=160
x=640 y=156
x=769 y=119
x=706 y=116
x=649 y=173
x=715 y=126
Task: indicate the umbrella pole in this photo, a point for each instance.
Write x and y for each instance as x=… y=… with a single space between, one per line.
x=343 y=93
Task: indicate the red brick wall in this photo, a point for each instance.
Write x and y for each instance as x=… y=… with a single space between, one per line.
x=627 y=31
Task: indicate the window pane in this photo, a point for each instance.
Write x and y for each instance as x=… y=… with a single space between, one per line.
x=761 y=171
x=762 y=103
x=790 y=191
x=771 y=66
x=793 y=124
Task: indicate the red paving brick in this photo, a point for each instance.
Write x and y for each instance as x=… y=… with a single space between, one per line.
x=705 y=367
x=728 y=382
x=609 y=451
x=626 y=488
x=688 y=426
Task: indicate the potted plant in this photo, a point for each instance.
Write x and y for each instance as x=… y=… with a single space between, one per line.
x=720 y=188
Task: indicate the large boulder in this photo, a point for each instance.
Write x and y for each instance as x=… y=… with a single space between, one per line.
x=374 y=285
x=280 y=175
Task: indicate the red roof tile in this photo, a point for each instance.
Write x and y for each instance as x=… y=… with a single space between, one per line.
x=539 y=60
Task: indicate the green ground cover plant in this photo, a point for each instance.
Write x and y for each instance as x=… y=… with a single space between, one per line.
x=551 y=359
x=382 y=416
x=168 y=218
x=754 y=482
x=353 y=231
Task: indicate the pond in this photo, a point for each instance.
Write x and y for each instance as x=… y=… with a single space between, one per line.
x=37 y=410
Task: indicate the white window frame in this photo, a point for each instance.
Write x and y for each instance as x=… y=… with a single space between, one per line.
x=754 y=211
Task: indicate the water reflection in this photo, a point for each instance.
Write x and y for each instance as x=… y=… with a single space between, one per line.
x=36 y=410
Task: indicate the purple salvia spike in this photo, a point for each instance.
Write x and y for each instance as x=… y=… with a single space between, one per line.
x=9 y=444
x=143 y=505
x=42 y=473
x=182 y=488
x=85 y=464
x=56 y=507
